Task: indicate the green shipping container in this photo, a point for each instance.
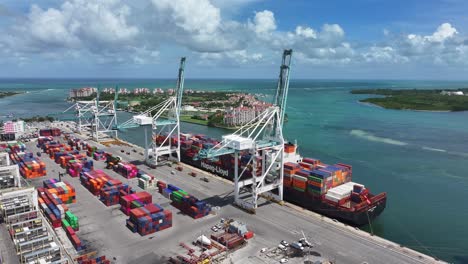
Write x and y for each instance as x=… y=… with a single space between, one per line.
x=65 y=223
x=299 y=189
x=315 y=179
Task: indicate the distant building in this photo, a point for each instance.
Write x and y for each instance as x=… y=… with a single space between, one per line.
x=124 y=91
x=108 y=90
x=170 y=91
x=238 y=116
x=82 y=92
x=141 y=91
x=17 y=128
x=188 y=108
x=452 y=93
x=158 y=91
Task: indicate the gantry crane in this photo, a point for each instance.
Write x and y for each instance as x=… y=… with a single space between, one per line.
x=105 y=116
x=263 y=138
x=165 y=123
x=99 y=116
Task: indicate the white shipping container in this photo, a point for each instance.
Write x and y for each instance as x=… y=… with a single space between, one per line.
x=332 y=197
x=342 y=191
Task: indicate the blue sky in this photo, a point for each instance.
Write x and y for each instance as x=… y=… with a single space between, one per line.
x=333 y=39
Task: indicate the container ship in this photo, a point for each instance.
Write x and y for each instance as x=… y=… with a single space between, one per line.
x=309 y=183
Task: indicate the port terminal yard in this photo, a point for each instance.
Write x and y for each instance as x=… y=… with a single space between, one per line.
x=103 y=230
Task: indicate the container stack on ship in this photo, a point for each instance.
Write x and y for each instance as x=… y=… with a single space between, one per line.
x=328 y=189
x=309 y=183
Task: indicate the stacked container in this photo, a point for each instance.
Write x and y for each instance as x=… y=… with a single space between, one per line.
x=319 y=182
x=98 y=260
x=126 y=201
x=66 y=157
x=340 y=194
x=99 y=155
x=51 y=206
x=186 y=203
x=74 y=142
x=58 y=150
x=71 y=220
x=73 y=238
x=75 y=167
x=161 y=186
x=30 y=166
x=230 y=240
x=127 y=170
x=94 y=180
x=146 y=181
x=42 y=140
x=90 y=150
x=149 y=219
x=55 y=132
x=63 y=190
x=111 y=193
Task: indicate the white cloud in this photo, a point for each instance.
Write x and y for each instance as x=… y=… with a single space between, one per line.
x=79 y=23
x=305 y=32
x=110 y=31
x=264 y=22
x=384 y=54
x=230 y=58
x=196 y=24
x=332 y=33
x=443 y=32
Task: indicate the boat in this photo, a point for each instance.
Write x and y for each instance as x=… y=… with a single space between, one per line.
x=308 y=183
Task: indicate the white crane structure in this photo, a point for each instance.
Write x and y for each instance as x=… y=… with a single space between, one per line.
x=105 y=117
x=82 y=114
x=263 y=138
x=100 y=116
x=164 y=120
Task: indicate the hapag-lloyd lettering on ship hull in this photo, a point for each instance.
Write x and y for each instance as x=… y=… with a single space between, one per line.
x=214 y=169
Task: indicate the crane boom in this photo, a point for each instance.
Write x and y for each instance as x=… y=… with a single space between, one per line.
x=283 y=84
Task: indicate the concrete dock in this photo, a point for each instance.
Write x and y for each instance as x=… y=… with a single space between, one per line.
x=103 y=228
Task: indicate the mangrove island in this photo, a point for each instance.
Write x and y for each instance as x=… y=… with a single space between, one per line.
x=422 y=100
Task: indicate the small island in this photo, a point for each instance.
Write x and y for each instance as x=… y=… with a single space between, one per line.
x=5 y=94
x=421 y=100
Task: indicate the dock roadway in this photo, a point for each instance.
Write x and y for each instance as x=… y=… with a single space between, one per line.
x=103 y=228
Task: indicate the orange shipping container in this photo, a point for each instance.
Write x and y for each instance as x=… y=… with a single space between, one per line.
x=316 y=184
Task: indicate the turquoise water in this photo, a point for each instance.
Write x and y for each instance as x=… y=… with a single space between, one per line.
x=418 y=158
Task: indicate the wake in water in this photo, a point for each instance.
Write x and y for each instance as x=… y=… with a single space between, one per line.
x=434 y=149
x=371 y=137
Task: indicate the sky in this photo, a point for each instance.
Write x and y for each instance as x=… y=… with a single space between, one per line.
x=331 y=39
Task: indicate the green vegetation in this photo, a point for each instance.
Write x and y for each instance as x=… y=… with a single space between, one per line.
x=205 y=99
x=192 y=119
x=216 y=119
x=5 y=94
x=429 y=100
x=37 y=119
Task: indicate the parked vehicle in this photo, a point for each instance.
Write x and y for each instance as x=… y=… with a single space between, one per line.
x=297 y=246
